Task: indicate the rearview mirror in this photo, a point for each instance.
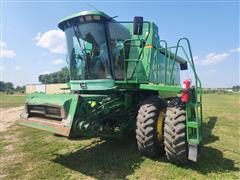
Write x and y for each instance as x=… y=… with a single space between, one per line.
x=138 y=25
x=184 y=66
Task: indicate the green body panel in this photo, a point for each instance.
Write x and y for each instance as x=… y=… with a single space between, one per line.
x=98 y=84
x=67 y=102
x=159 y=87
x=51 y=99
x=150 y=66
x=163 y=90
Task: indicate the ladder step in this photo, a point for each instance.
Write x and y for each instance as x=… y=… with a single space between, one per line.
x=194 y=141
x=192 y=124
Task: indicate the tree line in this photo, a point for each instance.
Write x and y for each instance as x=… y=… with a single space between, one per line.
x=236 y=88
x=9 y=87
x=61 y=76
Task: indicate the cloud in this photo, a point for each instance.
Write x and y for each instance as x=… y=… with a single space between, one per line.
x=214 y=58
x=17 y=67
x=4 y=52
x=235 y=50
x=53 y=40
x=7 y=54
x=3 y=45
x=58 y=61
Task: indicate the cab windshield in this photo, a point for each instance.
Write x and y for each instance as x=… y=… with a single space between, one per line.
x=88 y=55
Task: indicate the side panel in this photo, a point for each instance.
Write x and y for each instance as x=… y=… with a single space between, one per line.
x=164 y=91
x=97 y=84
x=161 y=67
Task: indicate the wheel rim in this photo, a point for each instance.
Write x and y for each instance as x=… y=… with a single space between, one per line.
x=160 y=126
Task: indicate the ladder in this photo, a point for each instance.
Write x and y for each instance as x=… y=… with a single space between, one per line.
x=194 y=106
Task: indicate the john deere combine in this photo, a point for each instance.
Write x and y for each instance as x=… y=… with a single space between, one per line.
x=123 y=77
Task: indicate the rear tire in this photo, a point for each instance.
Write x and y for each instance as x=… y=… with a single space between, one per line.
x=147 y=132
x=175 y=140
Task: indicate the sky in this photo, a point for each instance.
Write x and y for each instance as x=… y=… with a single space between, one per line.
x=31 y=43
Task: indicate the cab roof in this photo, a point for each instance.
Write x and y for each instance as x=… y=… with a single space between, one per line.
x=82 y=13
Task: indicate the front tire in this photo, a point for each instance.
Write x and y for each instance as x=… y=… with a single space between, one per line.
x=149 y=131
x=175 y=140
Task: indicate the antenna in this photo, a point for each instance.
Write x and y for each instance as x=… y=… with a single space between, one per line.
x=93 y=7
x=99 y=10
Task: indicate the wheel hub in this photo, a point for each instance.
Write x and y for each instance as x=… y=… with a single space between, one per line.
x=160 y=126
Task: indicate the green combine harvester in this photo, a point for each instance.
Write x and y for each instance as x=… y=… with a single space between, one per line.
x=123 y=77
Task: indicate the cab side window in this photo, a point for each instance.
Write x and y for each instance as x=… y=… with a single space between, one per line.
x=118 y=34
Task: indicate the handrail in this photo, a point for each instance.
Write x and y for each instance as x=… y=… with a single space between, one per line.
x=198 y=84
x=191 y=58
x=141 y=56
x=165 y=60
x=190 y=61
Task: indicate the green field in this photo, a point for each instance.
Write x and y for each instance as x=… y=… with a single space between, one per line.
x=31 y=154
x=13 y=100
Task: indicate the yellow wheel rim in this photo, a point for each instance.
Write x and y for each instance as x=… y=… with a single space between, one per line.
x=160 y=126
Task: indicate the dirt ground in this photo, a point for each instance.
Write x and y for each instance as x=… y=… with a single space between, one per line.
x=8 y=116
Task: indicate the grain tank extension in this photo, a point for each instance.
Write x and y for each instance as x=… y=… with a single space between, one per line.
x=123 y=77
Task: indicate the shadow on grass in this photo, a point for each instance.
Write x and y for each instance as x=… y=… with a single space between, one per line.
x=208 y=136
x=115 y=159
x=104 y=159
x=211 y=160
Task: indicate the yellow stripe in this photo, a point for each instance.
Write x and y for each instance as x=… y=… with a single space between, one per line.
x=149 y=46
x=160 y=126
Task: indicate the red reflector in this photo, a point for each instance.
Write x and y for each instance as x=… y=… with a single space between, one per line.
x=185 y=91
x=185 y=96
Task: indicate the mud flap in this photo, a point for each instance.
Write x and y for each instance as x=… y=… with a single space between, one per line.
x=50 y=112
x=192 y=152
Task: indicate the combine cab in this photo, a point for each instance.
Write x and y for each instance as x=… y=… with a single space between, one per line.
x=123 y=77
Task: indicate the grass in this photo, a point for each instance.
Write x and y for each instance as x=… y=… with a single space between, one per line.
x=14 y=100
x=42 y=155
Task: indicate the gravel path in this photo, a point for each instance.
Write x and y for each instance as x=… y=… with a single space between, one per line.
x=8 y=116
